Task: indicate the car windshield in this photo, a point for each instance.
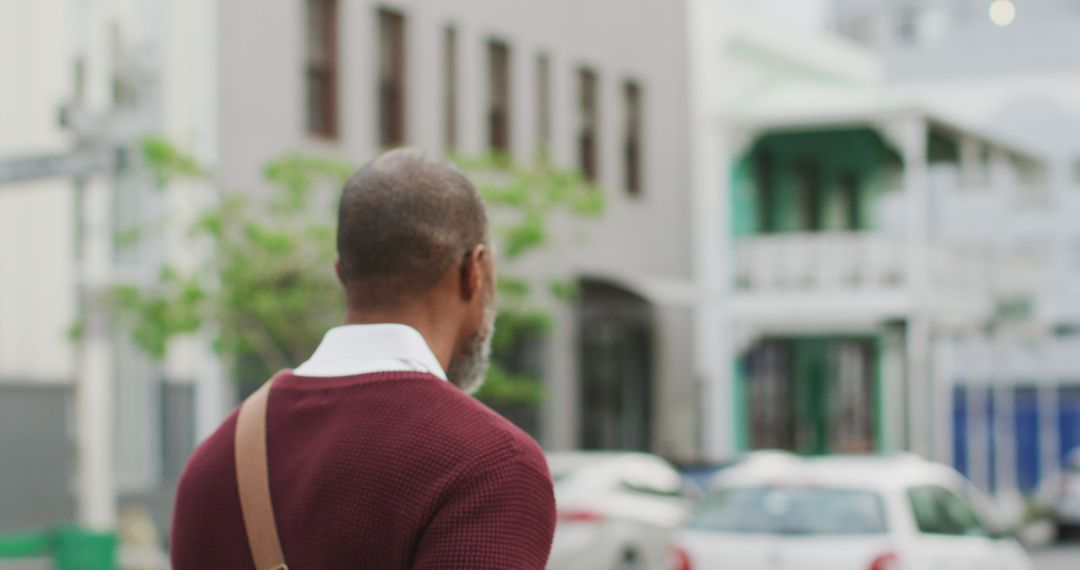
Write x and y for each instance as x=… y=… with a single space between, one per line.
x=791 y=510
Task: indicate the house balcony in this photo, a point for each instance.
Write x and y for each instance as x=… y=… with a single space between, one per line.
x=854 y=281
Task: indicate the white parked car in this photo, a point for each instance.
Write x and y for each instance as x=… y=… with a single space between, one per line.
x=781 y=512
x=1066 y=501
x=616 y=510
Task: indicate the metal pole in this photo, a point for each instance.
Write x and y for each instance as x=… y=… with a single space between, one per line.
x=711 y=156
x=93 y=388
x=913 y=134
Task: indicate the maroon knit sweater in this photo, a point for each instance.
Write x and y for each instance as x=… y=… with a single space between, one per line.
x=387 y=470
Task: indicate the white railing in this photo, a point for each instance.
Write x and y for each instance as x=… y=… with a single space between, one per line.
x=836 y=270
x=827 y=261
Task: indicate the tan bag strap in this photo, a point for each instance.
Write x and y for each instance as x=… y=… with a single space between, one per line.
x=253 y=481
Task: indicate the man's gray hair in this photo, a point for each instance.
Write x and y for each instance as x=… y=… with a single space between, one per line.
x=404 y=219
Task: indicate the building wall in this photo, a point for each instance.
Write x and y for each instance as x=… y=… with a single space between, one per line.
x=261 y=50
x=37 y=238
x=261 y=53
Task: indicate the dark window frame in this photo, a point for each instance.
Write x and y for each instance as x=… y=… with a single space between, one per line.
x=543 y=102
x=450 y=88
x=849 y=188
x=633 y=141
x=500 y=96
x=765 y=176
x=321 y=73
x=588 y=135
x=392 y=47
x=810 y=188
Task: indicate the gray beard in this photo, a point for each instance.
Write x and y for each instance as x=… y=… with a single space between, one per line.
x=469 y=367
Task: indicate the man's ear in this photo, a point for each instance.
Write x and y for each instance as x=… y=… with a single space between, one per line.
x=337 y=269
x=473 y=271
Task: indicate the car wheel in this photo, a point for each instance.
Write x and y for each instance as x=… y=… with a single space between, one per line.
x=630 y=561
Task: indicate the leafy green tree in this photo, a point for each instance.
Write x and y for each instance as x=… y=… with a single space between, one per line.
x=269 y=289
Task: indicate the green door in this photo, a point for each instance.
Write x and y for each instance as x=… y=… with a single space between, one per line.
x=811 y=392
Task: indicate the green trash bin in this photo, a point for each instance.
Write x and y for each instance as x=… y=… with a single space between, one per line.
x=79 y=549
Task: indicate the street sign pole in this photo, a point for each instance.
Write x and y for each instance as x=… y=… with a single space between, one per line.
x=94 y=379
x=91 y=167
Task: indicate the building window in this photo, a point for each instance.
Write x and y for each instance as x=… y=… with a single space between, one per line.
x=768 y=390
x=391 y=78
x=499 y=97
x=616 y=338
x=766 y=200
x=589 y=127
x=543 y=101
x=450 y=89
x=321 y=67
x=849 y=190
x=632 y=140
x=852 y=397
x=809 y=180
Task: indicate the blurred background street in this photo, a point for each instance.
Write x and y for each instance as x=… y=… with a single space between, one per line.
x=783 y=283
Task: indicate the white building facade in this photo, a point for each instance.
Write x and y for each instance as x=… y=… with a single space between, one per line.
x=1015 y=397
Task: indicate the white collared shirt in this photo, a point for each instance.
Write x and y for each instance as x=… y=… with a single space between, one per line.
x=349 y=350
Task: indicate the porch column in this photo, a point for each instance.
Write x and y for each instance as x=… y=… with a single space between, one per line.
x=893 y=421
x=713 y=350
x=911 y=134
x=944 y=383
x=1003 y=418
x=972 y=174
x=1049 y=437
x=1002 y=171
x=710 y=162
x=979 y=424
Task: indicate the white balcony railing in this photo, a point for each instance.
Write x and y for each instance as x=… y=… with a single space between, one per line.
x=819 y=262
x=871 y=272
